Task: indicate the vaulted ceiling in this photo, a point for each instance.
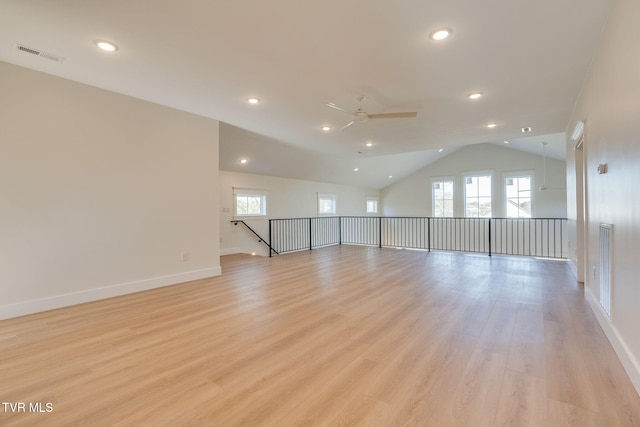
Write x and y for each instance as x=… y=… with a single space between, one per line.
x=527 y=58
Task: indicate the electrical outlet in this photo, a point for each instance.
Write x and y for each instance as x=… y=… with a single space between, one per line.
x=185 y=256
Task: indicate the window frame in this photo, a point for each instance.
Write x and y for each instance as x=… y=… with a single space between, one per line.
x=443 y=179
x=478 y=174
x=250 y=192
x=375 y=199
x=334 y=204
x=519 y=174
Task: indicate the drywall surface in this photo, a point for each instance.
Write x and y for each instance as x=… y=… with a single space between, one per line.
x=610 y=106
x=412 y=195
x=100 y=194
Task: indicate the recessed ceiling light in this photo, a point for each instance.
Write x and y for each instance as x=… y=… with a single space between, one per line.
x=491 y=125
x=243 y=161
x=440 y=34
x=253 y=100
x=526 y=129
x=440 y=150
x=506 y=142
x=369 y=144
x=355 y=169
x=105 y=45
x=326 y=128
x=390 y=176
x=475 y=95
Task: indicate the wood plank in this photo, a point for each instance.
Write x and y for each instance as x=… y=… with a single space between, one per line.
x=523 y=401
x=344 y=335
x=527 y=352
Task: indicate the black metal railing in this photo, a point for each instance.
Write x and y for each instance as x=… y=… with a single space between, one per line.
x=260 y=239
x=534 y=237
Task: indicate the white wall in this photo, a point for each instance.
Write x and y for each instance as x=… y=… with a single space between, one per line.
x=411 y=196
x=100 y=194
x=287 y=198
x=610 y=105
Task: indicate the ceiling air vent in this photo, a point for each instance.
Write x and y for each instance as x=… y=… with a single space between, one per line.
x=40 y=53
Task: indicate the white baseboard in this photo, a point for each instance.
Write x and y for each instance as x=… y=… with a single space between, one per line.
x=65 y=300
x=231 y=251
x=629 y=362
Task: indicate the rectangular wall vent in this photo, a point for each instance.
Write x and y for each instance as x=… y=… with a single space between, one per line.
x=40 y=53
x=606 y=231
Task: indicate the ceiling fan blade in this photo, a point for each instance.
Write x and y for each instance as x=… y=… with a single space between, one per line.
x=392 y=115
x=347 y=125
x=335 y=107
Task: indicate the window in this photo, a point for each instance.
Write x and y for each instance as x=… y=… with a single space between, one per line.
x=477 y=196
x=518 y=196
x=326 y=204
x=250 y=202
x=372 y=205
x=442 y=197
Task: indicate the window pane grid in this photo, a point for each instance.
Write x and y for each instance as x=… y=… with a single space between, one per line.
x=442 y=198
x=519 y=195
x=372 y=205
x=477 y=203
x=326 y=204
x=250 y=205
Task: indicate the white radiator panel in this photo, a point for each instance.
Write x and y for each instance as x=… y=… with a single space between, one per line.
x=606 y=232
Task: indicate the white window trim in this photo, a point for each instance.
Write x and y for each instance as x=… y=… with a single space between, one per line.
x=464 y=190
x=335 y=204
x=518 y=174
x=453 y=196
x=243 y=191
x=372 y=198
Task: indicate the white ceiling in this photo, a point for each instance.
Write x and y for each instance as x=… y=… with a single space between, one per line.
x=529 y=58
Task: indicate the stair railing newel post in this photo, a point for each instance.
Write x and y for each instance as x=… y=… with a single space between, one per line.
x=429 y=234
x=270 y=240
x=489 y=236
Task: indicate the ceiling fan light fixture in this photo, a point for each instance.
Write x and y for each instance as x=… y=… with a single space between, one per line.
x=440 y=34
x=360 y=116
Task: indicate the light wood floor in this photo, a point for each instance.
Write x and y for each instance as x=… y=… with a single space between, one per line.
x=336 y=336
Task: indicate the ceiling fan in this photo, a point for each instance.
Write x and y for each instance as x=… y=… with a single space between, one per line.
x=361 y=116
